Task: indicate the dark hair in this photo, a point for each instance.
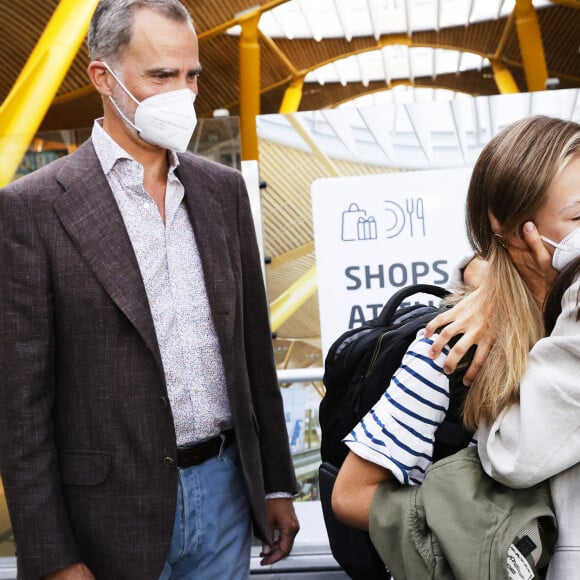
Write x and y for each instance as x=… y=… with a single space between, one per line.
x=553 y=303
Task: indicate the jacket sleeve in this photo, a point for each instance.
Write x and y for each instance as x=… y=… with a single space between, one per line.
x=540 y=437
x=28 y=459
x=275 y=449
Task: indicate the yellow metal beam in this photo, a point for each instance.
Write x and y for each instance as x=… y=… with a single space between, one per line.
x=503 y=79
x=394 y=39
x=391 y=86
x=531 y=46
x=292 y=255
x=27 y=103
x=319 y=154
x=505 y=36
x=288 y=356
x=74 y=95
x=292 y=299
x=249 y=84
x=292 y=96
x=217 y=30
x=387 y=41
x=280 y=54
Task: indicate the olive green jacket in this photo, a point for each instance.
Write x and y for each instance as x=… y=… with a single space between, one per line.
x=462 y=525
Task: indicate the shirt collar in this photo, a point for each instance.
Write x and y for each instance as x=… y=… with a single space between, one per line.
x=109 y=152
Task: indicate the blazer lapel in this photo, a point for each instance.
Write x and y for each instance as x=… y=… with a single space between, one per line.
x=207 y=221
x=88 y=211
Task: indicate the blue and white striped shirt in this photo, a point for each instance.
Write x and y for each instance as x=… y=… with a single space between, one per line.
x=398 y=433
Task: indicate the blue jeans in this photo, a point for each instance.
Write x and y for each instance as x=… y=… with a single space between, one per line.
x=212 y=534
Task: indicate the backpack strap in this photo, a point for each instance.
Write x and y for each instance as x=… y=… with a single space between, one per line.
x=451 y=436
x=398 y=297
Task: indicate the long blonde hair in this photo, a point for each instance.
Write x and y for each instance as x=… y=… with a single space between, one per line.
x=511 y=179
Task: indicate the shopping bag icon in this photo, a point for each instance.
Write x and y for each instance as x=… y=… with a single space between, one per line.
x=350 y=219
x=366 y=228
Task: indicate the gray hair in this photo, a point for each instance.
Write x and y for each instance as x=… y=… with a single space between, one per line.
x=112 y=23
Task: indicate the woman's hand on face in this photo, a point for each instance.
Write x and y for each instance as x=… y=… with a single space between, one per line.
x=534 y=262
x=470 y=319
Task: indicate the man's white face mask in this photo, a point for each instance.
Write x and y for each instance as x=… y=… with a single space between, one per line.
x=166 y=119
x=566 y=250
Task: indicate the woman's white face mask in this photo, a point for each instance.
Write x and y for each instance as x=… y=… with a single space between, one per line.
x=566 y=251
x=166 y=119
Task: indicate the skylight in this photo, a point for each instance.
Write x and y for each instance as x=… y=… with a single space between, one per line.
x=326 y=19
x=322 y=19
x=422 y=135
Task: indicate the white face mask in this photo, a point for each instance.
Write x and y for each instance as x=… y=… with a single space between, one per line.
x=566 y=250
x=166 y=119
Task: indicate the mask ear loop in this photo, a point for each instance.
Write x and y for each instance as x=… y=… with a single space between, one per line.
x=551 y=243
x=121 y=114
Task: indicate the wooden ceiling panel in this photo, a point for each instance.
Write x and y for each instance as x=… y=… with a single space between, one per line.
x=481 y=37
x=307 y=53
x=219 y=80
x=208 y=14
x=562 y=49
x=22 y=23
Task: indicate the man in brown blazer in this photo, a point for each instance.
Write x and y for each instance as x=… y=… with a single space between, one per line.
x=141 y=424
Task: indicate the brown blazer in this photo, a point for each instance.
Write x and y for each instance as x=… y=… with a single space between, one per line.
x=85 y=428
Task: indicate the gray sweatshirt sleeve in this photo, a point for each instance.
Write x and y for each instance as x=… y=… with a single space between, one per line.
x=540 y=437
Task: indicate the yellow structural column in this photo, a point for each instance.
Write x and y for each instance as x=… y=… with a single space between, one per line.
x=292 y=96
x=531 y=45
x=503 y=79
x=27 y=103
x=249 y=84
x=292 y=299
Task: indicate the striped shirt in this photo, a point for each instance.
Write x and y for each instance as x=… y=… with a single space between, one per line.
x=398 y=433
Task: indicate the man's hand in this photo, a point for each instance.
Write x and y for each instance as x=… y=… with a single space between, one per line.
x=74 y=572
x=283 y=526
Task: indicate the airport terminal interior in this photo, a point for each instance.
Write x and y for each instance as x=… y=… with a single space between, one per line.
x=303 y=92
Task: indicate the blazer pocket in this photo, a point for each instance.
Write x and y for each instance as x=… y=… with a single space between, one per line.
x=84 y=467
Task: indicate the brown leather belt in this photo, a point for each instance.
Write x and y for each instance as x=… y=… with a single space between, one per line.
x=199 y=452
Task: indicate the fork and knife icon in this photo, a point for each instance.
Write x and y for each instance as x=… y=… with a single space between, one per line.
x=415 y=209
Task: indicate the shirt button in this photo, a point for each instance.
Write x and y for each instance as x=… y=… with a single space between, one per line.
x=164 y=403
x=169 y=461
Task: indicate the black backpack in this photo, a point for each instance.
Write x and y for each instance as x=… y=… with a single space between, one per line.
x=357 y=370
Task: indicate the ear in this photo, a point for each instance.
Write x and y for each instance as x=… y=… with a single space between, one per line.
x=494 y=222
x=100 y=77
x=509 y=238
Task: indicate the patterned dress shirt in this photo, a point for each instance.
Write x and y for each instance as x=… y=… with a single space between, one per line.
x=172 y=273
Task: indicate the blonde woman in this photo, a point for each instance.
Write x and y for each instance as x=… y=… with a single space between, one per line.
x=538 y=437
x=521 y=176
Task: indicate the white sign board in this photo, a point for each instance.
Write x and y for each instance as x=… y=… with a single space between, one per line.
x=251 y=175
x=375 y=234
